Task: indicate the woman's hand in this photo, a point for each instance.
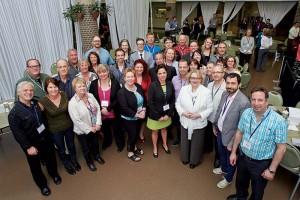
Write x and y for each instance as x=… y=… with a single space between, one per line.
x=98 y=127
x=104 y=111
x=186 y=114
x=195 y=116
x=32 y=151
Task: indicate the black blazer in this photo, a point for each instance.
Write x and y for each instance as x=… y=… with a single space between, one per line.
x=127 y=101
x=157 y=100
x=115 y=87
x=171 y=72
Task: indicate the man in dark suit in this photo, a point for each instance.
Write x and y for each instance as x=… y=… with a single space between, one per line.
x=196 y=29
x=141 y=54
x=232 y=105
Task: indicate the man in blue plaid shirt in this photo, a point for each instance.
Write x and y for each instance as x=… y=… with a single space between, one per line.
x=260 y=138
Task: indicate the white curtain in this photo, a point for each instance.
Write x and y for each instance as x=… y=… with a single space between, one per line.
x=230 y=7
x=31 y=29
x=208 y=8
x=274 y=11
x=237 y=8
x=128 y=20
x=187 y=8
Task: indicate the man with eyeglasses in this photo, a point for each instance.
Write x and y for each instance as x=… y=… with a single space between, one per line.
x=33 y=74
x=168 y=43
x=103 y=53
x=141 y=54
x=217 y=87
x=232 y=105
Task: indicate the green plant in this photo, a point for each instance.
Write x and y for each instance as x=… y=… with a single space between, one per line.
x=102 y=8
x=70 y=13
x=95 y=7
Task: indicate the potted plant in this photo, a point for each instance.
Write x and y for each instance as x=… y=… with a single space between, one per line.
x=74 y=12
x=95 y=10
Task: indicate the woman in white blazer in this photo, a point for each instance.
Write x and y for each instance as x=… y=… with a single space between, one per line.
x=194 y=104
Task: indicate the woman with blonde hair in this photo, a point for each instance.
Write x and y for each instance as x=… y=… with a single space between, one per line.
x=85 y=113
x=84 y=73
x=208 y=48
x=194 y=105
x=105 y=91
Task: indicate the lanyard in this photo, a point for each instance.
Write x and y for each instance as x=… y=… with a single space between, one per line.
x=225 y=105
x=36 y=115
x=258 y=124
x=212 y=93
x=151 y=50
x=194 y=100
x=183 y=83
x=42 y=88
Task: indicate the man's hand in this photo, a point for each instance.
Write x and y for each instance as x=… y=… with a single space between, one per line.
x=232 y=158
x=268 y=175
x=32 y=151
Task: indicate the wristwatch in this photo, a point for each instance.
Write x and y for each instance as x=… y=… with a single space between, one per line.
x=272 y=171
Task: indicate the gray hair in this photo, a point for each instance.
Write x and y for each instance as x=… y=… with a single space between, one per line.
x=22 y=84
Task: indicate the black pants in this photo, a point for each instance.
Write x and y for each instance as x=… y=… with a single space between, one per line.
x=132 y=128
x=256 y=57
x=244 y=58
x=250 y=170
x=46 y=152
x=116 y=125
x=176 y=123
x=214 y=30
x=90 y=145
x=210 y=140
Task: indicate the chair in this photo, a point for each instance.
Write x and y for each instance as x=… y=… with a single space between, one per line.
x=298 y=105
x=291 y=162
x=223 y=37
x=53 y=69
x=112 y=53
x=211 y=35
x=245 y=68
x=275 y=98
x=245 y=80
x=25 y=73
x=237 y=59
x=230 y=52
x=284 y=47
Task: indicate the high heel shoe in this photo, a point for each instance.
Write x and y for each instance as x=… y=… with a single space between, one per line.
x=166 y=150
x=155 y=155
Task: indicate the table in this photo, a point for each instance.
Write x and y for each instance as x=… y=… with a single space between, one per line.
x=3 y=121
x=291 y=134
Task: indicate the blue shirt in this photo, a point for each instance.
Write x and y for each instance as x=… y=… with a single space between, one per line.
x=67 y=86
x=153 y=50
x=269 y=130
x=104 y=56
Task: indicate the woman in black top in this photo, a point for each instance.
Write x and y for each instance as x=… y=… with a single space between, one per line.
x=132 y=101
x=105 y=91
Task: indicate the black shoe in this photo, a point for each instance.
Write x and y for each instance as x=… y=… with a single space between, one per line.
x=176 y=142
x=45 y=191
x=70 y=170
x=155 y=155
x=120 y=149
x=185 y=163
x=232 y=197
x=92 y=167
x=166 y=150
x=57 y=180
x=100 y=160
x=76 y=166
x=192 y=166
x=217 y=163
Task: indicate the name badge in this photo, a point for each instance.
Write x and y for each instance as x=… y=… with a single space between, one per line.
x=104 y=103
x=246 y=144
x=166 y=107
x=41 y=128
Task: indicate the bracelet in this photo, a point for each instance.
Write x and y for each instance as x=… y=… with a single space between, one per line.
x=272 y=171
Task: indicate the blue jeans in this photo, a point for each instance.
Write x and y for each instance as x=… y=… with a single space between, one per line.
x=224 y=159
x=59 y=140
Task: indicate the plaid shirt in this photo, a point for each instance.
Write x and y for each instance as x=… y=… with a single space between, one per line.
x=269 y=130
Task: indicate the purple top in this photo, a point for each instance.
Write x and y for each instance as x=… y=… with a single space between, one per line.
x=178 y=84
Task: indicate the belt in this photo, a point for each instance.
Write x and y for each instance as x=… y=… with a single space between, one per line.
x=249 y=158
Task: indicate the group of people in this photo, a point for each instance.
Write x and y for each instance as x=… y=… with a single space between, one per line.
x=193 y=88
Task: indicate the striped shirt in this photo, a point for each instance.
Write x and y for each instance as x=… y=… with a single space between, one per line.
x=269 y=130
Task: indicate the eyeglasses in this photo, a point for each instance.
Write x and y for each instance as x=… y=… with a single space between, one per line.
x=217 y=72
x=34 y=66
x=194 y=78
x=97 y=40
x=139 y=44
